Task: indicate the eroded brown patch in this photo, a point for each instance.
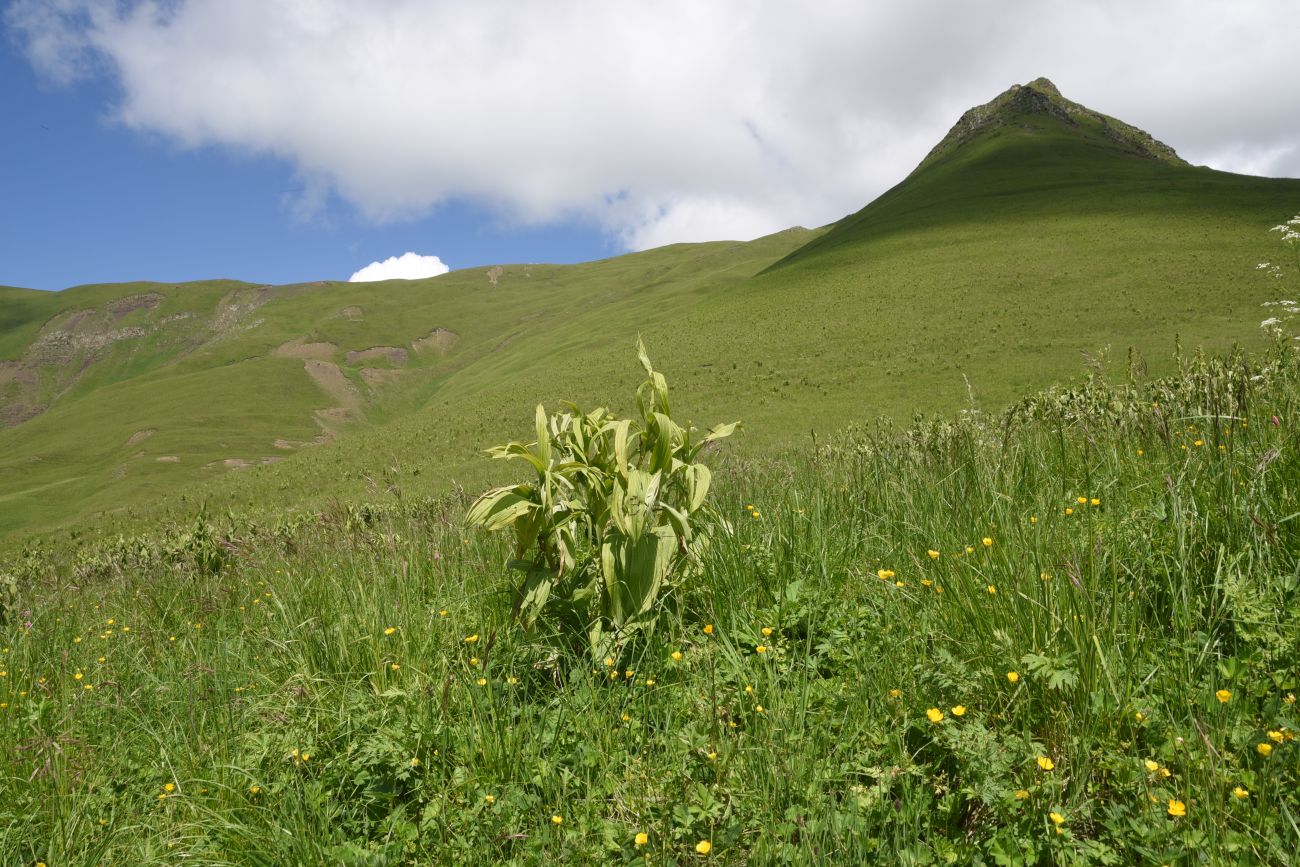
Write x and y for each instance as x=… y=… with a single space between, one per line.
x=439 y=340
x=140 y=436
x=392 y=353
x=297 y=349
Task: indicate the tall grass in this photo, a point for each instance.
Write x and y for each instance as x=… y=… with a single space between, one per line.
x=344 y=691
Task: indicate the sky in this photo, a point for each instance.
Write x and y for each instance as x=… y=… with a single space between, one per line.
x=291 y=140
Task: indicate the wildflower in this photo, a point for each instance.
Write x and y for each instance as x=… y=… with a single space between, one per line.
x=758 y=708
x=1276 y=737
x=959 y=710
x=470 y=639
x=988 y=543
x=1264 y=749
x=650 y=681
x=557 y=819
x=1240 y=794
x=970 y=549
x=767 y=632
x=749 y=689
x=934 y=555
x=628 y=674
x=442 y=612
x=482 y=681
x=169 y=788
x=1022 y=794
x=992 y=589
x=1057 y=818
x=489 y=799
x=1290 y=698
x=711 y=756
x=895 y=693
x=762 y=648
x=626 y=718
x=1140 y=716
x=1046 y=763
x=609 y=661
x=415 y=761
x=473 y=661
x=1224 y=696
x=1069 y=511
x=395 y=667
x=390 y=630
x=253 y=790
x=641 y=838
x=78 y=676
x=1141 y=452
x=1033 y=519
x=935 y=715
x=1152 y=766
x=1177 y=808
x=704 y=847
x=512 y=680
x=677 y=656
x=1013 y=676
x=708 y=629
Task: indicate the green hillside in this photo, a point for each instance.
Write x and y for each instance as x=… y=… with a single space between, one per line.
x=1036 y=236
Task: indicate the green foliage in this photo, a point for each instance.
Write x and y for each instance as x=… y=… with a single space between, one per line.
x=615 y=521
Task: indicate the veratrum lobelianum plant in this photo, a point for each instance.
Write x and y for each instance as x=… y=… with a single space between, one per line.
x=615 y=520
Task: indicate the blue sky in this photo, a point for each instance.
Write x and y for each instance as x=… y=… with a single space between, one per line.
x=89 y=201
x=294 y=140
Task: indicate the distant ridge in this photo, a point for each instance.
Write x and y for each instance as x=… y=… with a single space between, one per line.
x=1022 y=105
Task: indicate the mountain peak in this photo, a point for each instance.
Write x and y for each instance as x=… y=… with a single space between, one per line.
x=1027 y=107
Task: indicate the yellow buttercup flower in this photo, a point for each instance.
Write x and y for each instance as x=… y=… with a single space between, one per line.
x=1152 y=766
x=1022 y=794
x=169 y=788
x=1013 y=676
x=470 y=639
x=933 y=554
x=1046 y=763
x=1177 y=808
x=1069 y=511
x=988 y=543
x=1094 y=501
x=761 y=649
x=992 y=589
x=767 y=631
x=1082 y=501
x=557 y=819
x=1224 y=696
x=934 y=714
x=390 y=630
x=1057 y=818
x=489 y=799
x=708 y=629
x=642 y=838
x=1240 y=794
x=895 y=693
x=1276 y=737
x=704 y=847
x=677 y=656
x=1264 y=749
x=959 y=710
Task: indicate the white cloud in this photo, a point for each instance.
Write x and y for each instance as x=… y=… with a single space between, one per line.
x=408 y=266
x=669 y=121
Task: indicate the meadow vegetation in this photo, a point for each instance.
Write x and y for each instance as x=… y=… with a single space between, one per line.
x=1062 y=634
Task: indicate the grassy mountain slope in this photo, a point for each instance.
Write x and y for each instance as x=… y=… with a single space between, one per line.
x=1035 y=233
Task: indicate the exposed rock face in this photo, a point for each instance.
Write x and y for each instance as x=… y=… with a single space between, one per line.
x=1020 y=104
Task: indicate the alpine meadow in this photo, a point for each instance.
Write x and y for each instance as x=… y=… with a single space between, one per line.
x=962 y=530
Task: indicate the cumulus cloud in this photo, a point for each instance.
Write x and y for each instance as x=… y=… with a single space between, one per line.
x=671 y=121
x=408 y=266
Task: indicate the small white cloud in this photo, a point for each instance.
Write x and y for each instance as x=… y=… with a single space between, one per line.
x=408 y=266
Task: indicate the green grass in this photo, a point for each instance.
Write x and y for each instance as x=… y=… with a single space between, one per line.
x=309 y=690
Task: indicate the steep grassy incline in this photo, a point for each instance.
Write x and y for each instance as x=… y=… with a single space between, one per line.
x=1038 y=236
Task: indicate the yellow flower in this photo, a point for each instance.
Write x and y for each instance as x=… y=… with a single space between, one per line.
x=1045 y=763
x=1141 y=452
x=415 y=762
x=1276 y=737
x=926 y=582
x=704 y=847
x=1152 y=766
x=1069 y=511
x=970 y=549
x=512 y=680
x=992 y=589
x=1240 y=794
x=395 y=667
x=1177 y=808
x=749 y=689
x=895 y=693
x=1199 y=443
x=1033 y=519
x=767 y=632
x=650 y=681
x=1082 y=501
x=708 y=629
x=390 y=630
x=628 y=674
x=959 y=710
x=1021 y=794
x=1140 y=716
x=711 y=756
x=489 y=799
x=470 y=639
x=988 y=543
x=482 y=681
x=1264 y=749
x=78 y=676
x=253 y=790
x=934 y=555
x=1013 y=676
x=934 y=714
x=609 y=661
x=169 y=788
x=758 y=708
x=557 y=819
x=762 y=648
x=677 y=656
x=1057 y=818
x=1224 y=696
x=641 y=838
x=1095 y=502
